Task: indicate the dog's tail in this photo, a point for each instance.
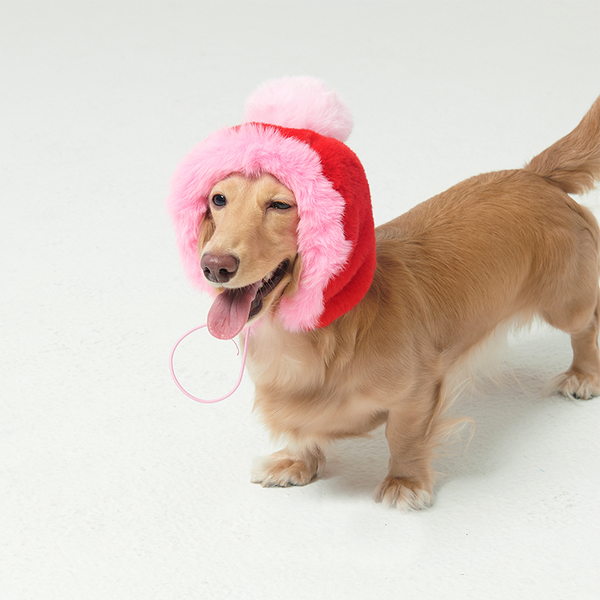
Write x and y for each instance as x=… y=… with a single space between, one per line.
x=573 y=163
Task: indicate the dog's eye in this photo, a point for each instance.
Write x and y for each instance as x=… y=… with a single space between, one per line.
x=219 y=200
x=280 y=205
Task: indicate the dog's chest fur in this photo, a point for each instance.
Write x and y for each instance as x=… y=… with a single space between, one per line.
x=294 y=390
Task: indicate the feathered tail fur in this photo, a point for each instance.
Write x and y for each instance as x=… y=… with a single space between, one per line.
x=573 y=163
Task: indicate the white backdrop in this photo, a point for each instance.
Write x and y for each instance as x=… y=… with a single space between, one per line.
x=113 y=485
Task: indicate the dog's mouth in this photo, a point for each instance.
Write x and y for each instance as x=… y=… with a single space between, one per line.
x=267 y=285
x=233 y=308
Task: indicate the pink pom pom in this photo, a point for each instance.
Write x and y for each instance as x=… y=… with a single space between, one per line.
x=300 y=103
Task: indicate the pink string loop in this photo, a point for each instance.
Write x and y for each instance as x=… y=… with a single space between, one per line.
x=181 y=388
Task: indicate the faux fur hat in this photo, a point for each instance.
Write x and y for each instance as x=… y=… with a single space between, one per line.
x=293 y=129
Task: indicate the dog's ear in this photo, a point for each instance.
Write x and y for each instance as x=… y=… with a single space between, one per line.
x=292 y=286
x=205 y=231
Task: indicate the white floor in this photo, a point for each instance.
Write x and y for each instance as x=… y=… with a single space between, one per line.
x=113 y=485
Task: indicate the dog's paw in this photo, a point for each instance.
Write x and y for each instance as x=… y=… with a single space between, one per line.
x=574 y=384
x=282 y=470
x=403 y=493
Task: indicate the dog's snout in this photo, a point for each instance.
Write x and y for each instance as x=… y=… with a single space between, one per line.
x=219 y=268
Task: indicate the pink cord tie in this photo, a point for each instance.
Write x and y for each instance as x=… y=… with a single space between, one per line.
x=237 y=385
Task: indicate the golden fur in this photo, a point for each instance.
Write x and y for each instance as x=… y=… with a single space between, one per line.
x=497 y=247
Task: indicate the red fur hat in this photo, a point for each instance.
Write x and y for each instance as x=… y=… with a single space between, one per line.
x=293 y=129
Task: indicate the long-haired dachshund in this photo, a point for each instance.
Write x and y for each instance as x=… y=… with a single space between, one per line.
x=498 y=248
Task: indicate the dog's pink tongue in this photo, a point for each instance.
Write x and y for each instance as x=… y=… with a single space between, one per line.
x=230 y=311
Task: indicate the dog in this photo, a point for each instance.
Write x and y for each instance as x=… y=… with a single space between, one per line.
x=495 y=249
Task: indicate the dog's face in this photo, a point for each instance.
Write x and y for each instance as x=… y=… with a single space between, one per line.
x=248 y=249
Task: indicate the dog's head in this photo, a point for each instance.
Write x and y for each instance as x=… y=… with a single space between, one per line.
x=248 y=248
x=277 y=213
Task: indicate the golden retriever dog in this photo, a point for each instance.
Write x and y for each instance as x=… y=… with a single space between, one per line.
x=496 y=249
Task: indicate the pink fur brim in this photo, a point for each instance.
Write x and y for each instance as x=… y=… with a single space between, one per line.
x=252 y=149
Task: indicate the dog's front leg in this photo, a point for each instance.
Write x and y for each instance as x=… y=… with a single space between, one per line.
x=409 y=482
x=298 y=464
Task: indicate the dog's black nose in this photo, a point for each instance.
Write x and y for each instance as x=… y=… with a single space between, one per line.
x=219 y=268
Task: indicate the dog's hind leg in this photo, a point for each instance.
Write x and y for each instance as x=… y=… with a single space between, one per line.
x=582 y=380
x=295 y=465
